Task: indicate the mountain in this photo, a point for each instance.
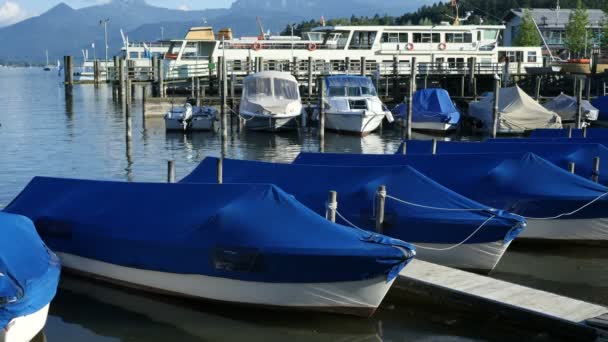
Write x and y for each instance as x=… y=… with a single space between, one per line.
x=66 y=31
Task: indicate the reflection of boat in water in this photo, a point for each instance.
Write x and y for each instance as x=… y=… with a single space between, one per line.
x=213 y=322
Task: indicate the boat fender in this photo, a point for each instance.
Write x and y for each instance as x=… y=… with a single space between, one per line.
x=409 y=46
x=312 y=47
x=257 y=46
x=442 y=46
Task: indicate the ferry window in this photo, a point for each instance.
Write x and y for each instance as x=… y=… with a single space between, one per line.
x=394 y=37
x=363 y=40
x=133 y=55
x=458 y=37
x=285 y=89
x=426 y=38
x=258 y=86
x=490 y=34
x=531 y=56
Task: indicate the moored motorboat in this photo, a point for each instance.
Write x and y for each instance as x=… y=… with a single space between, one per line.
x=432 y=110
x=447 y=228
x=567 y=107
x=190 y=118
x=29 y=275
x=353 y=105
x=270 y=101
x=224 y=242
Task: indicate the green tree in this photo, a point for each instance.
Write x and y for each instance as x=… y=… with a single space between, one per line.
x=528 y=34
x=576 y=30
x=605 y=29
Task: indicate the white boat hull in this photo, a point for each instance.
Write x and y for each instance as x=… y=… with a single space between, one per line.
x=582 y=230
x=272 y=123
x=356 y=122
x=430 y=126
x=352 y=297
x=25 y=328
x=478 y=257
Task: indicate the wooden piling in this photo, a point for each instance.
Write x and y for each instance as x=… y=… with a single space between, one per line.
x=472 y=77
x=310 y=78
x=322 y=115
x=395 y=77
x=569 y=132
x=96 y=72
x=224 y=93
x=294 y=67
x=363 y=64
x=579 y=104
x=220 y=170
x=121 y=77
x=161 y=80
x=380 y=204
x=332 y=206
x=434 y=148
x=495 y=112
x=537 y=88
x=462 y=86
x=404 y=148
x=154 y=68
x=171 y=171
x=144 y=100
x=585 y=132
x=410 y=99
x=68 y=71
x=596 y=169
x=347 y=65
x=248 y=65
x=572 y=167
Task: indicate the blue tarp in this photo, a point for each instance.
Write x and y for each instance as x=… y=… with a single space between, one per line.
x=29 y=272
x=593 y=133
x=243 y=231
x=603 y=141
x=431 y=105
x=560 y=154
x=601 y=103
x=357 y=187
x=526 y=185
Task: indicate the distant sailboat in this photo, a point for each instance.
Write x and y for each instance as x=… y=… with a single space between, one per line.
x=47 y=67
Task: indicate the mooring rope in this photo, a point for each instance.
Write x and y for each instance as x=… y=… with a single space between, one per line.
x=566 y=214
x=437 y=208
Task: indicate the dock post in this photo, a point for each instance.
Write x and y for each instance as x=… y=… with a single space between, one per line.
x=495 y=113
x=161 y=79
x=121 y=77
x=569 y=132
x=585 y=132
x=294 y=67
x=410 y=96
x=380 y=203
x=579 y=104
x=220 y=74
x=154 y=68
x=538 y=84
x=171 y=171
x=128 y=91
x=68 y=71
x=571 y=167
x=462 y=86
x=96 y=72
x=192 y=88
x=248 y=65
x=198 y=91
x=220 y=170
x=310 y=79
x=596 y=169
x=363 y=64
x=144 y=100
x=395 y=77
x=404 y=148
x=472 y=77
x=224 y=94
x=232 y=90
x=332 y=206
x=434 y=148
x=322 y=115
x=261 y=59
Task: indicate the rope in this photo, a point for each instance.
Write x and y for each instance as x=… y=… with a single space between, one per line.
x=570 y=213
x=460 y=243
x=437 y=208
x=332 y=206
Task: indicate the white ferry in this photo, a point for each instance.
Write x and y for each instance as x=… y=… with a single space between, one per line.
x=441 y=48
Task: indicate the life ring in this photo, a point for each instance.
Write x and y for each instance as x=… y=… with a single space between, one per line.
x=170 y=56
x=409 y=46
x=442 y=46
x=257 y=46
x=312 y=47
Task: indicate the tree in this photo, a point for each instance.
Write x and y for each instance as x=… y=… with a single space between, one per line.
x=605 y=28
x=576 y=30
x=528 y=34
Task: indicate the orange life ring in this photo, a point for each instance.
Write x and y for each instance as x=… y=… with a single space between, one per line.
x=579 y=61
x=442 y=46
x=312 y=47
x=409 y=46
x=170 y=56
x=257 y=46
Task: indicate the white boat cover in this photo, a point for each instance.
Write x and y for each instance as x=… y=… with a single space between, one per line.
x=517 y=112
x=566 y=106
x=271 y=93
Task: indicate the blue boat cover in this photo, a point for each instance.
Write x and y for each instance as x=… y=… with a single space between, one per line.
x=596 y=140
x=560 y=154
x=246 y=232
x=601 y=103
x=357 y=187
x=526 y=185
x=594 y=133
x=431 y=105
x=29 y=272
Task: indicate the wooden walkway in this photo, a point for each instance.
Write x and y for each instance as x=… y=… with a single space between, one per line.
x=518 y=304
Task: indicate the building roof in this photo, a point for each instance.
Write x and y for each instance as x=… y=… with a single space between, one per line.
x=551 y=17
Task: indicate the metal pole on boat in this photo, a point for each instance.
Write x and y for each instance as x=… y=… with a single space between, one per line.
x=171 y=171
x=434 y=150
x=571 y=167
x=496 y=109
x=380 y=204
x=579 y=104
x=596 y=169
x=332 y=206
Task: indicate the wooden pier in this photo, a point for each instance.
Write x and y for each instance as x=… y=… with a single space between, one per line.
x=523 y=306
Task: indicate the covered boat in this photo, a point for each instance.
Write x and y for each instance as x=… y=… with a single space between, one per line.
x=220 y=242
x=353 y=105
x=558 y=205
x=561 y=154
x=473 y=239
x=601 y=103
x=191 y=118
x=575 y=133
x=270 y=101
x=433 y=110
x=517 y=112
x=29 y=275
x=567 y=107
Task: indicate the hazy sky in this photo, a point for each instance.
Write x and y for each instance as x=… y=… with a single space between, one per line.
x=12 y=11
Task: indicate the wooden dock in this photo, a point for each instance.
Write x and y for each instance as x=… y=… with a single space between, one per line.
x=520 y=305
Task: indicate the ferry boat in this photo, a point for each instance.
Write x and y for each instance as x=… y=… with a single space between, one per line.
x=444 y=49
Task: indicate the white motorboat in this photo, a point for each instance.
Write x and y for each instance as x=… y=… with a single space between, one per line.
x=270 y=101
x=190 y=118
x=353 y=105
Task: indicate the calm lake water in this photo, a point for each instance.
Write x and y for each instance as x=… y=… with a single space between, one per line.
x=42 y=134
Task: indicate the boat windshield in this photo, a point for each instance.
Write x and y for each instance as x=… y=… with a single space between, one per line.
x=278 y=88
x=351 y=91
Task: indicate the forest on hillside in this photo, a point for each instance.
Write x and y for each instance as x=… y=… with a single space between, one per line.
x=490 y=11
